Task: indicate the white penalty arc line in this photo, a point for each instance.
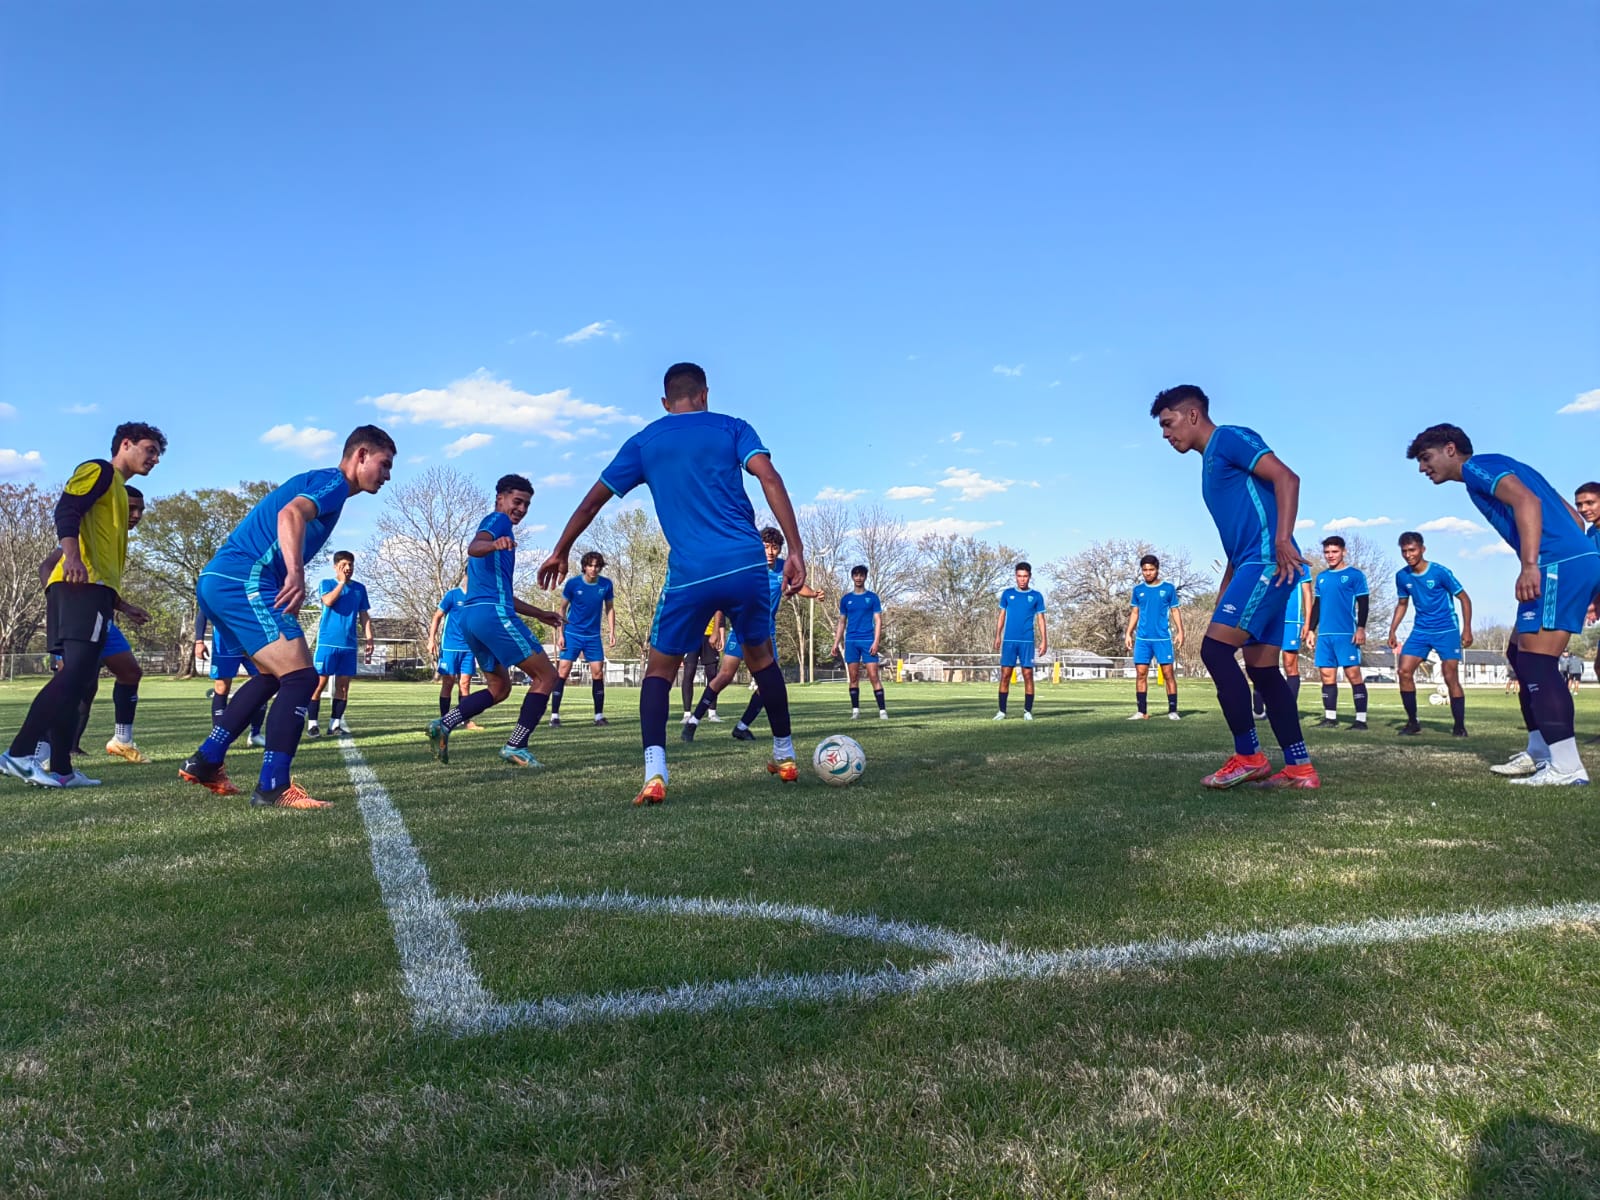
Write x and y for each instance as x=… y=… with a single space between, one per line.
x=446 y=992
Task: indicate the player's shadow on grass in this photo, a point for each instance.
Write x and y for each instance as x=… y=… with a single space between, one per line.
x=1522 y=1155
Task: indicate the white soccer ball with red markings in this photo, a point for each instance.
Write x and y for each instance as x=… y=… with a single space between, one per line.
x=838 y=760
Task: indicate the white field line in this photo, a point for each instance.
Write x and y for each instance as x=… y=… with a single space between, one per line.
x=446 y=991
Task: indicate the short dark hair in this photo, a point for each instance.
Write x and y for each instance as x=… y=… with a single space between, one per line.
x=1437 y=437
x=369 y=436
x=133 y=493
x=1023 y=566
x=137 y=431
x=1411 y=538
x=683 y=380
x=1591 y=488
x=772 y=536
x=1176 y=397
x=858 y=569
x=1333 y=539
x=1150 y=560
x=595 y=557
x=340 y=556
x=513 y=483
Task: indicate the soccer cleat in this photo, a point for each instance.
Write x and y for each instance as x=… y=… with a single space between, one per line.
x=439 y=739
x=209 y=775
x=1259 y=714
x=1357 y=727
x=342 y=728
x=1409 y=729
x=785 y=770
x=256 y=742
x=1138 y=716
x=743 y=735
x=127 y=751
x=313 y=729
x=1520 y=763
x=653 y=792
x=600 y=719
x=555 y=721
x=855 y=714
x=1326 y=723
x=1173 y=715
x=20 y=767
x=43 y=776
x=999 y=716
x=1297 y=775
x=1547 y=776
x=1459 y=731
x=518 y=756
x=711 y=715
x=1240 y=768
x=687 y=732
x=290 y=795
x=1026 y=715
x=883 y=714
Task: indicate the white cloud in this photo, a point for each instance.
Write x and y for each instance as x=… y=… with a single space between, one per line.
x=1304 y=523
x=557 y=480
x=592 y=330
x=482 y=400
x=525 y=337
x=1008 y=372
x=471 y=441
x=7 y=410
x=1055 y=383
x=909 y=492
x=309 y=442
x=1043 y=441
x=1339 y=523
x=972 y=485
x=81 y=410
x=1584 y=402
x=1488 y=550
x=416 y=458
x=19 y=462
x=1076 y=357
x=833 y=493
x=947 y=525
x=1451 y=525
x=532 y=528
x=1005 y=443
x=954 y=437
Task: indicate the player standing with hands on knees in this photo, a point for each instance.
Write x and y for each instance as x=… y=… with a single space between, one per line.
x=1254 y=499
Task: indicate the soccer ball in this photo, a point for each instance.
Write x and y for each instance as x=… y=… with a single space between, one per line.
x=838 y=760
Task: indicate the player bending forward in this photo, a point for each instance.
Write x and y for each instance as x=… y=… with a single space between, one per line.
x=691 y=461
x=1253 y=497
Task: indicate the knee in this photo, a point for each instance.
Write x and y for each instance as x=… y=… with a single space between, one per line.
x=499 y=687
x=1216 y=655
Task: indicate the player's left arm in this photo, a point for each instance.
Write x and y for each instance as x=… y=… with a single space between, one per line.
x=48 y=565
x=1177 y=621
x=1043 y=630
x=292 y=521
x=1466 y=617
x=877 y=631
x=794 y=563
x=611 y=617
x=1286 y=488
x=561 y=633
x=552 y=619
x=1529 y=516
x=1363 y=610
x=1400 y=607
x=554 y=569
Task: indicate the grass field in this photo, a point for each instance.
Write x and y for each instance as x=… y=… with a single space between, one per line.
x=201 y=999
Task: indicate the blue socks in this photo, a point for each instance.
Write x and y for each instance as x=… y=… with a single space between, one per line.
x=243 y=710
x=1281 y=712
x=775 y=697
x=286 y=721
x=469 y=707
x=533 y=705
x=655 y=697
x=1233 y=694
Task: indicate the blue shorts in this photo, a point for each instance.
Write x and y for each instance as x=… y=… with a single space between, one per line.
x=242 y=615
x=1564 y=596
x=1291 y=637
x=226 y=666
x=1146 y=650
x=116 y=642
x=455 y=663
x=1015 y=654
x=587 y=645
x=497 y=635
x=1257 y=603
x=682 y=614
x=1337 y=650
x=334 y=660
x=1447 y=642
x=858 y=652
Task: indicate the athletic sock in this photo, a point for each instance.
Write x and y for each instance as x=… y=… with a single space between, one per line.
x=444 y=703
x=655 y=695
x=1233 y=694
x=1409 y=700
x=1281 y=712
x=597 y=689
x=1552 y=705
x=1172 y=702
x=124 y=706
x=774 y=693
x=751 y=711
x=1027 y=701
x=1458 y=710
x=468 y=708
x=1359 y=692
x=1143 y=700
x=555 y=696
x=313 y=709
x=286 y=721
x=85 y=707
x=338 y=709
x=1564 y=757
x=219 y=705
x=782 y=749
x=855 y=699
x=707 y=702
x=1524 y=697
x=1330 y=702
x=877 y=694
x=244 y=709
x=533 y=705
x=1294 y=688
x=1004 y=696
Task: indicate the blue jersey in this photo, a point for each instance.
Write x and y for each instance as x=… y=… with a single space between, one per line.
x=451 y=639
x=775 y=591
x=251 y=554
x=586 y=602
x=1020 y=605
x=693 y=464
x=857 y=609
x=1337 y=590
x=1594 y=536
x=1432 y=595
x=489 y=577
x=337 y=629
x=1245 y=508
x=1154 y=601
x=1294 y=616
x=1561 y=538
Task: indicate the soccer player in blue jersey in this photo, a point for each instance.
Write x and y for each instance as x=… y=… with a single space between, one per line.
x=1588 y=505
x=1337 y=630
x=733 y=652
x=491 y=623
x=344 y=603
x=252 y=589
x=223 y=669
x=447 y=647
x=1149 y=635
x=1556 y=588
x=1253 y=497
x=1294 y=623
x=584 y=600
x=859 y=631
x=1019 y=633
x=1432 y=590
x=693 y=462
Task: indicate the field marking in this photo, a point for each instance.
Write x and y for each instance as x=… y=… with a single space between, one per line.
x=446 y=992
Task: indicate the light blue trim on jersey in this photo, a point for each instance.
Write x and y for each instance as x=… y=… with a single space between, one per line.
x=1255 y=499
x=667 y=586
x=745 y=465
x=263 y=614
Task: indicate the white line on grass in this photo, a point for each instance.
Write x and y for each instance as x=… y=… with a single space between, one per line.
x=446 y=991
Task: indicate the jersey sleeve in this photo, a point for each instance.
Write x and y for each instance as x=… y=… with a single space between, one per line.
x=566 y=592
x=1361 y=584
x=444 y=603
x=89 y=482
x=876 y=605
x=325 y=489
x=324 y=587
x=608 y=592
x=1174 y=600
x=626 y=471
x=842 y=610
x=747 y=443
x=1038 y=601
x=1402 y=586
x=1482 y=476
x=496 y=525
x=1241 y=448
x=1451 y=583
x=361 y=599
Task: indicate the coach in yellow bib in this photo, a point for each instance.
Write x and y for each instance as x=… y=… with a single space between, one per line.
x=81 y=594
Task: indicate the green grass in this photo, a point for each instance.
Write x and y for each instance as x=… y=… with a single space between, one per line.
x=198 y=999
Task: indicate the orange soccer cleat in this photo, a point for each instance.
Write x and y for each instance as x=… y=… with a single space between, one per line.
x=291 y=795
x=1240 y=768
x=653 y=792
x=785 y=770
x=1296 y=775
x=211 y=776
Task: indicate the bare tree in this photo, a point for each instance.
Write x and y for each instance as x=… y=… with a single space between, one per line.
x=1092 y=591
x=27 y=535
x=1379 y=567
x=419 y=544
x=889 y=553
x=959 y=579
x=636 y=562
x=826 y=530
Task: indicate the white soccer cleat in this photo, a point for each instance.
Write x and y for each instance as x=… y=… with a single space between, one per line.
x=256 y=741
x=1172 y=716
x=999 y=716
x=855 y=714
x=1026 y=715
x=883 y=714
x=711 y=715
x=19 y=767
x=43 y=776
x=1547 y=776
x=1138 y=716
x=1520 y=763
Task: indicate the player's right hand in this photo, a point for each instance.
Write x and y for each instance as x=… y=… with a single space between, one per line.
x=552 y=571
x=1289 y=560
x=1127 y=640
x=1529 y=583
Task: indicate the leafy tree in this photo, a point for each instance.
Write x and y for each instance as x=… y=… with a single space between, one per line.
x=1091 y=590
x=958 y=580
x=27 y=535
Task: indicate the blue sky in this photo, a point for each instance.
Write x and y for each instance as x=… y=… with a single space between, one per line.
x=946 y=250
